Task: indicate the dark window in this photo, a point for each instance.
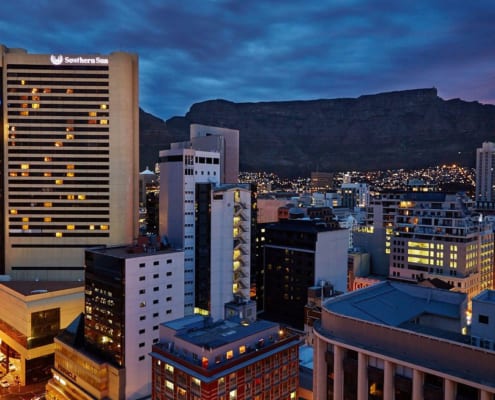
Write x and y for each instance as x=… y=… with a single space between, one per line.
x=483 y=319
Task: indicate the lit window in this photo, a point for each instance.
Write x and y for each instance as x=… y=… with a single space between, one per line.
x=25 y=219
x=35 y=105
x=91 y=227
x=47 y=90
x=24 y=105
x=48 y=159
x=34 y=90
x=103 y=106
x=58 y=234
x=92 y=114
x=70 y=174
x=25 y=174
x=242 y=349
x=59 y=181
x=169 y=385
x=12 y=173
x=13 y=212
x=47 y=204
x=58 y=144
x=47 y=219
x=25 y=227
x=47 y=174
x=71 y=227
x=169 y=368
x=23 y=82
x=24 y=166
x=104 y=227
x=229 y=354
x=81 y=197
x=69 y=91
x=69 y=136
x=24 y=113
x=103 y=121
x=70 y=166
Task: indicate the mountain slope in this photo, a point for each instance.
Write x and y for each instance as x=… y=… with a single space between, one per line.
x=404 y=129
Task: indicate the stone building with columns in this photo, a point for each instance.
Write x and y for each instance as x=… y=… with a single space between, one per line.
x=399 y=341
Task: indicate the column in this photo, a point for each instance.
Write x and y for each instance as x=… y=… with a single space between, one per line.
x=449 y=389
x=417 y=391
x=320 y=365
x=484 y=395
x=362 y=385
x=338 y=373
x=388 y=380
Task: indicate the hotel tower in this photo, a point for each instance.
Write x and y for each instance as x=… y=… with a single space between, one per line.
x=70 y=159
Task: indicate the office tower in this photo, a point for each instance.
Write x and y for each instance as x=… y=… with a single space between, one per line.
x=129 y=291
x=70 y=151
x=223 y=247
x=180 y=170
x=298 y=254
x=222 y=140
x=230 y=359
x=33 y=313
x=399 y=341
x=485 y=175
x=438 y=235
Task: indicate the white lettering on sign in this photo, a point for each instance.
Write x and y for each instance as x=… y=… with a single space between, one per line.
x=61 y=59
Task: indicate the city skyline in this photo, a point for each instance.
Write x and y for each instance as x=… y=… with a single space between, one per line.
x=249 y=52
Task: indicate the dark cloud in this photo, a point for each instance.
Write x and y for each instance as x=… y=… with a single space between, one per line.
x=260 y=51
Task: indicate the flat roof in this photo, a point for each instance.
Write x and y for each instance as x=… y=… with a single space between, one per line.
x=132 y=251
x=394 y=303
x=30 y=288
x=210 y=335
x=487 y=296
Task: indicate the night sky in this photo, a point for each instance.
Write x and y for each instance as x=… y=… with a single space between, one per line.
x=262 y=50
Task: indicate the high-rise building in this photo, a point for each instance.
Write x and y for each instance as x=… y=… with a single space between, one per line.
x=229 y=359
x=203 y=163
x=180 y=170
x=399 y=341
x=70 y=159
x=129 y=292
x=298 y=254
x=222 y=140
x=438 y=235
x=485 y=172
x=223 y=247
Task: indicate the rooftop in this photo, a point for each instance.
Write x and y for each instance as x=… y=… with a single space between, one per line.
x=393 y=303
x=30 y=288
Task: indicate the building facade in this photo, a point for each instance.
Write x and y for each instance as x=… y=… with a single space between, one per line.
x=298 y=254
x=62 y=117
x=485 y=175
x=197 y=359
x=399 y=341
x=437 y=235
x=129 y=291
x=223 y=247
x=36 y=313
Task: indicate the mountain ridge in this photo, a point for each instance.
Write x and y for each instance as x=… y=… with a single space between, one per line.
x=391 y=130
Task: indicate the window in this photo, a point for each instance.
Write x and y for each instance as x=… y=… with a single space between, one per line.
x=156 y=262
x=141 y=344
x=483 y=319
x=169 y=298
x=169 y=261
x=142 y=265
x=142 y=317
x=155 y=315
x=141 y=331
x=169 y=273
x=155 y=327
x=169 y=286
x=156 y=289
x=155 y=276
x=155 y=301
x=141 y=358
x=142 y=278
x=142 y=291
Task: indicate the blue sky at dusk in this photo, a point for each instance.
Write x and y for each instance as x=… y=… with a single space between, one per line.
x=261 y=50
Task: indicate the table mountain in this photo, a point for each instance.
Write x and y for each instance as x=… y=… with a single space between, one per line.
x=403 y=129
